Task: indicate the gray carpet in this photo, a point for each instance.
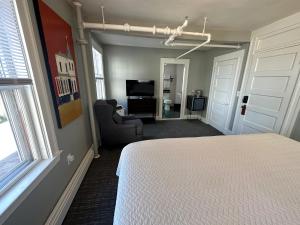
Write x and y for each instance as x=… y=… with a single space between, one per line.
x=178 y=128
x=95 y=200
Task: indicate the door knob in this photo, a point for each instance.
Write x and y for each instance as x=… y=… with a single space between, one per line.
x=243 y=111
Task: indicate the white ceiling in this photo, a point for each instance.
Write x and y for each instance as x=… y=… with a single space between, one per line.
x=232 y=15
x=228 y=20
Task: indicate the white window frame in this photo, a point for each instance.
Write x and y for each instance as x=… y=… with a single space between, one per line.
x=101 y=79
x=28 y=180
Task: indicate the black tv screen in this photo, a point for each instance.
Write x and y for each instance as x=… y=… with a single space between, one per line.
x=140 y=87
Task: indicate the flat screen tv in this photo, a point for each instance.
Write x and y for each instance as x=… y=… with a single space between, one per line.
x=140 y=87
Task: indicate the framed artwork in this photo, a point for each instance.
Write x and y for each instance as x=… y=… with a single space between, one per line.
x=58 y=48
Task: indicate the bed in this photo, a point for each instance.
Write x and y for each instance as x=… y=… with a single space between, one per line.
x=222 y=180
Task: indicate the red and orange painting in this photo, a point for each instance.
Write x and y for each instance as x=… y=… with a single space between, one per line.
x=58 y=49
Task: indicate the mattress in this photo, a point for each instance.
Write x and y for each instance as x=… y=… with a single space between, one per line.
x=222 y=180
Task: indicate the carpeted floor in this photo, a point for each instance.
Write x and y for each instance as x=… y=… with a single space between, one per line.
x=94 y=202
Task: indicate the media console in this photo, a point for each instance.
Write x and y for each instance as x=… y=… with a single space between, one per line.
x=142 y=107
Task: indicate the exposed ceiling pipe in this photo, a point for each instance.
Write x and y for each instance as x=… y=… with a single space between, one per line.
x=156 y=30
x=207 y=45
x=127 y=28
x=102 y=10
x=177 y=33
x=195 y=48
x=201 y=44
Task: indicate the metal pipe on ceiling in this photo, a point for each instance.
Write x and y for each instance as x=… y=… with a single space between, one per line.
x=173 y=33
x=184 y=44
x=195 y=48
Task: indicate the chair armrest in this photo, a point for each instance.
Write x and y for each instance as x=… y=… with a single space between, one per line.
x=126 y=129
x=128 y=118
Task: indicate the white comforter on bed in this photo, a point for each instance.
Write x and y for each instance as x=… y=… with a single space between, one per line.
x=224 y=180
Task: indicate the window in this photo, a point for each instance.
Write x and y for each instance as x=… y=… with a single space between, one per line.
x=23 y=136
x=99 y=75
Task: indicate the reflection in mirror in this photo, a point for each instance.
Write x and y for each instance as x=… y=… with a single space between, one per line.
x=172 y=92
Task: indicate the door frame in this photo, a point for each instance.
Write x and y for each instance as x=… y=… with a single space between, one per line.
x=292 y=113
x=186 y=63
x=231 y=111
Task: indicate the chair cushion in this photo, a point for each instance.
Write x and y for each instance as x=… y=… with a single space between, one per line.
x=138 y=125
x=117 y=118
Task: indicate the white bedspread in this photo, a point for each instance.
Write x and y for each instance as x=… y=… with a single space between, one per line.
x=224 y=180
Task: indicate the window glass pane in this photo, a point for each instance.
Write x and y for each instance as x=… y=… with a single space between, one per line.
x=99 y=89
x=23 y=139
x=10 y=157
x=99 y=74
x=103 y=89
x=95 y=61
x=12 y=61
x=98 y=63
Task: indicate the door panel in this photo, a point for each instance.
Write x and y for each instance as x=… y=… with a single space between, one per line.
x=290 y=35
x=221 y=97
x=271 y=82
x=282 y=62
x=271 y=104
x=223 y=88
x=223 y=84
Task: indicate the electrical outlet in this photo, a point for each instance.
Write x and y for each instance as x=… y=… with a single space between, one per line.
x=70 y=158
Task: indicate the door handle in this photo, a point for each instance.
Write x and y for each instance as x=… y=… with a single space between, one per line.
x=243 y=111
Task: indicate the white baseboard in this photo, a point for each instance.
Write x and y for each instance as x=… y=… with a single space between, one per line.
x=60 y=210
x=203 y=119
x=185 y=117
x=191 y=117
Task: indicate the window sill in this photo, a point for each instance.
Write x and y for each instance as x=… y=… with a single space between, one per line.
x=18 y=193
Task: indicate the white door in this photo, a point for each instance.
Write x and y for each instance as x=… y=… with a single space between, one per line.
x=223 y=88
x=269 y=87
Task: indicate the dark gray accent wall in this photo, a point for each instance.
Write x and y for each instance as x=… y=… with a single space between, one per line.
x=75 y=138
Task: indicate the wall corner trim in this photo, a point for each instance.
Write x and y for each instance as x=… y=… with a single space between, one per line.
x=62 y=206
x=203 y=119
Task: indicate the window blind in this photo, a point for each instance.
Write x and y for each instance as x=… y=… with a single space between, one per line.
x=13 y=63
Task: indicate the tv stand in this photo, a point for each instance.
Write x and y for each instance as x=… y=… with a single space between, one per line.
x=142 y=107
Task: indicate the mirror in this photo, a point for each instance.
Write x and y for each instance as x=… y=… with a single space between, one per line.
x=172 y=90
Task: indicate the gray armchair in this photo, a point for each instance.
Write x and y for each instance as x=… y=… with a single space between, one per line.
x=114 y=129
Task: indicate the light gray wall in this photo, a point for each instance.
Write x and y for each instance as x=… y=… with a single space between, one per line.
x=121 y=63
x=75 y=138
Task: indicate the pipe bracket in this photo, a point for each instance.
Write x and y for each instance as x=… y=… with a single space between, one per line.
x=154 y=30
x=82 y=41
x=126 y=27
